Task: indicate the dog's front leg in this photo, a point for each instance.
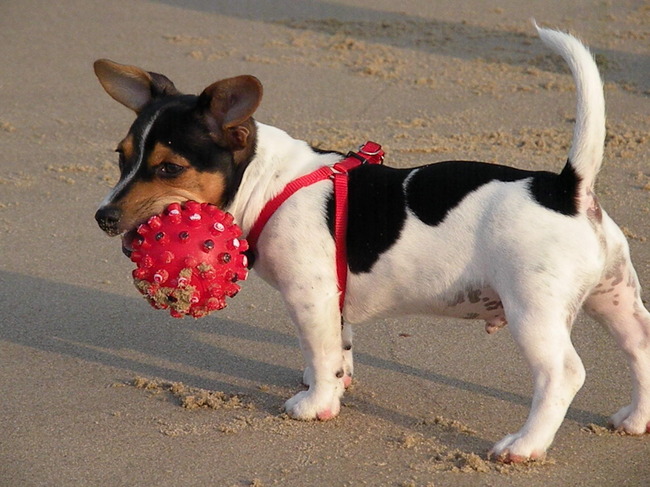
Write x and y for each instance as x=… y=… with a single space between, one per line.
x=318 y=322
x=348 y=359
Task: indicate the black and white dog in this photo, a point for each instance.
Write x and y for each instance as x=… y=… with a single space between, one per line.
x=460 y=239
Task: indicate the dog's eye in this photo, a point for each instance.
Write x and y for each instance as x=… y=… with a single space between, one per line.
x=169 y=169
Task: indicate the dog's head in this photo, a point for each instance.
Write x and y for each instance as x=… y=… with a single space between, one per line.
x=180 y=147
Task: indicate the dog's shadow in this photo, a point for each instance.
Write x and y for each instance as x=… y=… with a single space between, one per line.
x=122 y=332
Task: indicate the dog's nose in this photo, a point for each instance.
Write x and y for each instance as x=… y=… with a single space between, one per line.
x=108 y=218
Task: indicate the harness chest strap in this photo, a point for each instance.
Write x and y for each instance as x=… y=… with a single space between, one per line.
x=369 y=153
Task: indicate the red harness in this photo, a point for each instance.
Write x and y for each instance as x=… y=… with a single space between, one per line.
x=369 y=153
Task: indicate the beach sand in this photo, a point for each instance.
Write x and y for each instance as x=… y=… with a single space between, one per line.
x=99 y=389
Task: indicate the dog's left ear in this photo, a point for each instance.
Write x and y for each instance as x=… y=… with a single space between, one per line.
x=133 y=87
x=230 y=104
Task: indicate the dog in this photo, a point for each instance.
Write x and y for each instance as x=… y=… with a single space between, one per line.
x=460 y=239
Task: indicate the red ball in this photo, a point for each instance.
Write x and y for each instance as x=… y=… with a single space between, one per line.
x=189 y=259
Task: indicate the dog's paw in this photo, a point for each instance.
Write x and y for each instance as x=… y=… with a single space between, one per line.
x=516 y=448
x=307 y=405
x=631 y=421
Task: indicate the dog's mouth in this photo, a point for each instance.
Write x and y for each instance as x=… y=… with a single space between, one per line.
x=127 y=241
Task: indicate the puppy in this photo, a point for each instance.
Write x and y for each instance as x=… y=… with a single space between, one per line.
x=459 y=239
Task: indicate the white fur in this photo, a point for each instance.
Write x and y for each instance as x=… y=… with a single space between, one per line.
x=487 y=246
x=586 y=153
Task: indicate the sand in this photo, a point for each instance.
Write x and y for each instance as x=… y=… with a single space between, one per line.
x=100 y=389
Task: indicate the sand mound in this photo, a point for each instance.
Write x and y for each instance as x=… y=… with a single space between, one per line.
x=192 y=397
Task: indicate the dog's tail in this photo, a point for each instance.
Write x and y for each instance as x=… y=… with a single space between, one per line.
x=586 y=153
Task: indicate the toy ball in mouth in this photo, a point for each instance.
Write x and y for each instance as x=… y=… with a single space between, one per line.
x=189 y=259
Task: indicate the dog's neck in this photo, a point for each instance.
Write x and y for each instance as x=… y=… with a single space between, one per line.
x=278 y=160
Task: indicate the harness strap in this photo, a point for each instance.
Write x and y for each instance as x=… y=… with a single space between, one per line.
x=369 y=153
x=341 y=230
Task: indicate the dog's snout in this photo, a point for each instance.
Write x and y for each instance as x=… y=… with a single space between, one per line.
x=108 y=219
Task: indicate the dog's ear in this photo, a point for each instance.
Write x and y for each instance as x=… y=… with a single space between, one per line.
x=131 y=86
x=229 y=105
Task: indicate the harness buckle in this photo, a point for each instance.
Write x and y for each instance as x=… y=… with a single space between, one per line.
x=373 y=151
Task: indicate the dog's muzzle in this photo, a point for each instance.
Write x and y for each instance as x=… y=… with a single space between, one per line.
x=108 y=219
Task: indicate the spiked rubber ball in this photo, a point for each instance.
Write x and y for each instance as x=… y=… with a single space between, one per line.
x=189 y=259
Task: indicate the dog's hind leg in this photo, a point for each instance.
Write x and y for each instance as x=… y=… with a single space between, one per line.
x=616 y=303
x=543 y=335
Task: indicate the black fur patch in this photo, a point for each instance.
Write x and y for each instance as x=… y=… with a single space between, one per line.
x=557 y=192
x=376 y=213
x=377 y=203
x=436 y=189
